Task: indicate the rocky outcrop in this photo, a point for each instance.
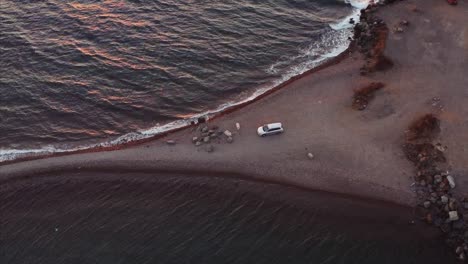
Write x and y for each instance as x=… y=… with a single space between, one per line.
x=434 y=184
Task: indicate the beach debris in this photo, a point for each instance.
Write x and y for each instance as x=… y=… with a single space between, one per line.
x=170 y=142
x=310 y=156
x=211 y=134
x=238 y=126
x=228 y=133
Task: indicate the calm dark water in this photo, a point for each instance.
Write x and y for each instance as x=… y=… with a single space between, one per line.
x=78 y=73
x=128 y=218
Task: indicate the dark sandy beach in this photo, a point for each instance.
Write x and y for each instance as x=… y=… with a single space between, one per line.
x=357 y=153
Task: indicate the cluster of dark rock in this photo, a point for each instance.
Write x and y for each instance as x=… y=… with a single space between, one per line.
x=370 y=35
x=365 y=94
x=434 y=186
x=207 y=135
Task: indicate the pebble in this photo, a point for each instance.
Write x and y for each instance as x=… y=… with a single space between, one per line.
x=228 y=133
x=230 y=140
x=310 y=156
x=171 y=142
x=451 y=181
x=398 y=29
x=453 y=216
x=427 y=204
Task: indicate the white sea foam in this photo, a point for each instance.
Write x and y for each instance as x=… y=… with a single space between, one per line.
x=330 y=45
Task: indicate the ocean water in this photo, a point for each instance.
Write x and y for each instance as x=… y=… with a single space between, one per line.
x=77 y=74
x=129 y=218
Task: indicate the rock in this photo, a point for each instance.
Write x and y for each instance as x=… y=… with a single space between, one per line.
x=437 y=178
x=209 y=148
x=422 y=183
x=429 y=218
x=211 y=132
x=213 y=136
x=438 y=221
x=458 y=250
x=238 y=126
x=228 y=133
x=205 y=134
x=440 y=148
x=201 y=119
x=404 y=23
x=444 y=199
x=398 y=29
x=170 y=142
x=451 y=181
x=206 y=139
x=310 y=156
x=194 y=139
x=445 y=228
x=204 y=129
x=198 y=143
x=230 y=140
x=453 y=204
x=458 y=224
x=427 y=204
x=453 y=216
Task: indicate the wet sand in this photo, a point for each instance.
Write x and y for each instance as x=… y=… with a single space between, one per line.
x=138 y=217
x=356 y=152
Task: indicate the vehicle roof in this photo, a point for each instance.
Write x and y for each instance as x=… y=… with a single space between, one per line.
x=274 y=125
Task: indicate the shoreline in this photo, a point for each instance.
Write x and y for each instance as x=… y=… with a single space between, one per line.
x=329 y=63
x=352 y=50
x=359 y=153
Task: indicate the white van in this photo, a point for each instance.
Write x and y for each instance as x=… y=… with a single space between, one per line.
x=270 y=129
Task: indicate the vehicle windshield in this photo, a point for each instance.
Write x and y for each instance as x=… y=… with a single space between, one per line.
x=265 y=128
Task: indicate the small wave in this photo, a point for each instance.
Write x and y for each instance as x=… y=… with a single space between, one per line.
x=355 y=15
